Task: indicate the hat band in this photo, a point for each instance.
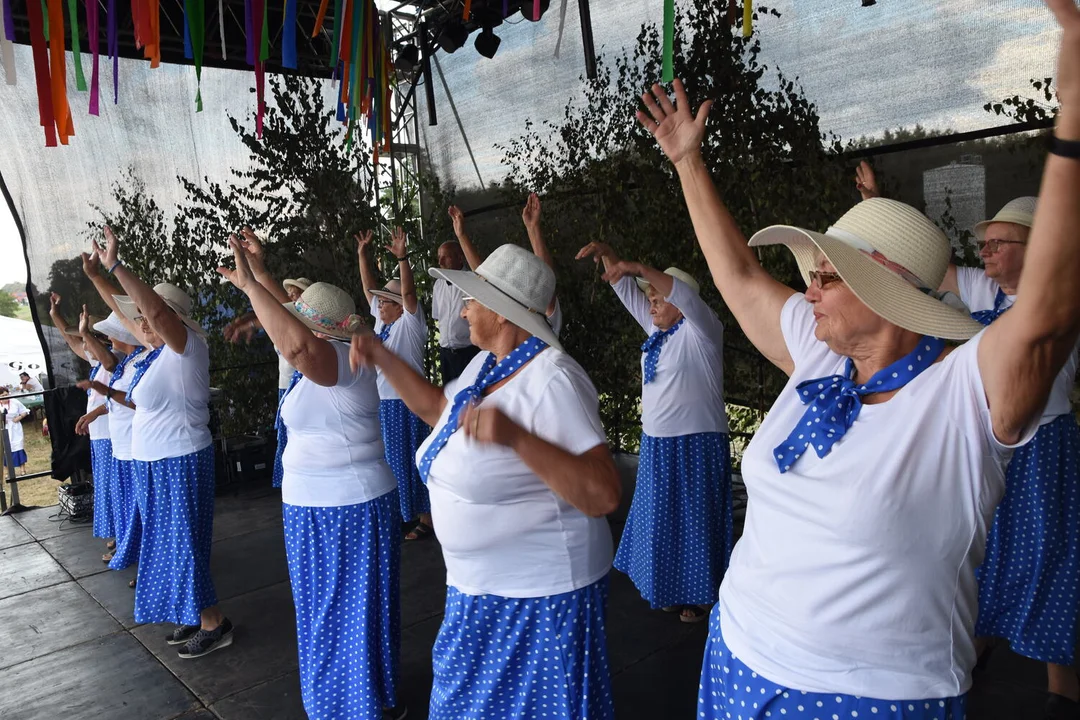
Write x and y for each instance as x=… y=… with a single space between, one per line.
x=511 y=297
x=322 y=320
x=852 y=240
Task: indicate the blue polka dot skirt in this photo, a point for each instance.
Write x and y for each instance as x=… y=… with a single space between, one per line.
x=1029 y=583
x=282 y=438
x=730 y=690
x=101 y=466
x=127 y=521
x=518 y=658
x=678 y=535
x=403 y=433
x=176 y=503
x=343 y=566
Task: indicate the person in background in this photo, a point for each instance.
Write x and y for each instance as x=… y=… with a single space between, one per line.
x=174 y=463
x=678 y=536
x=339 y=501
x=520 y=477
x=15 y=413
x=530 y=215
x=400 y=325
x=455 y=348
x=28 y=384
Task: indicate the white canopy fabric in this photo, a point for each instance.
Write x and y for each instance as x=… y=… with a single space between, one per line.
x=20 y=351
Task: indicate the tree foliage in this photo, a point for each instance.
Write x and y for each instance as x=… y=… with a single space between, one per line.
x=8 y=306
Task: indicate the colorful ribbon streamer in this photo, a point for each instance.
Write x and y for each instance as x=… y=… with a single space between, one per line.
x=76 y=50
x=668 y=73
x=7 y=48
x=288 y=35
x=58 y=73
x=195 y=21
x=41 y=71
x=221 y=27
x=258 y=20
x=747 y=18
x=92 y=29
x=114 y=49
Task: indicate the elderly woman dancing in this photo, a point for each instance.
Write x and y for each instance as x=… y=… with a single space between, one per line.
x=174 y=463
x=520 y=477
x=873 y=480
x=339 y=500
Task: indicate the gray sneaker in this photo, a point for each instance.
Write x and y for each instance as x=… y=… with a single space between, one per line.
x=181 y=634
x=205 y=642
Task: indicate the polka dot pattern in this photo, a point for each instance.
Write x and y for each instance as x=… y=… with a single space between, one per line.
x=729 y=690
x=128 y=521
x=985 y=317
x=403 y=432
x=1029 y=582
x=518 y=658
x=652 y=348
x=282 y=438
x=344 y=570
x=678 y=535
x=176 y=502
x=834 y=402
x=104 y=507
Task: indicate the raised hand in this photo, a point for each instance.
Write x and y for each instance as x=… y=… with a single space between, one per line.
x=866 y=181
x=109 y=253
x=239 y=329
x=597 y=251
x=678 y=131
x=397 y=244
x=488 y=425
x=241 y=277
x=616 y=271
x=54 y=302
x=91 y=264
x=252 y=243
x=457 y=218
x=84 y=321
x=363 y=350
x=531 y=214
x=362 y=241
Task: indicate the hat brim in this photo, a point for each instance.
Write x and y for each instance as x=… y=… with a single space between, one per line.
x=314 y=327
x=880 y=289
x=387 y=295
x=116 y=332
x=289 y=282
x=130 y=311
x=500 y=303
x=1003 y=217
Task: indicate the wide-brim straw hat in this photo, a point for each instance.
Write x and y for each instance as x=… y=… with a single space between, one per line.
x=683 y=276
x=905 y=293
x=329 y=310
x=391 y=291
x=1020 y=211
x=511 y=282
x=300 y=283
x=177 y=300
x=113 y=327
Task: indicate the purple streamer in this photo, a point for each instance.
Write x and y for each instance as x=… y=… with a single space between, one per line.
x=9 y=20
x=250 y=32
x=114 y=50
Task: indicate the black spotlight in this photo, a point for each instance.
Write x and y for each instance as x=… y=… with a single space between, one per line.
x=452 y=37
x=487 y=43
x=408 y=58
x=868 y=3
x=527 y=9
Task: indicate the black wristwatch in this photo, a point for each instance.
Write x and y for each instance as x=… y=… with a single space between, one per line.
x=1065 y=148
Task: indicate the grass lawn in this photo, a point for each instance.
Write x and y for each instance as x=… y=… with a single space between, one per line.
x=39 y=491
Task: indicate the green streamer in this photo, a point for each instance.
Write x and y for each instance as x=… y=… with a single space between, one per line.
x=76 y=50
x=196 y=18
x=264 y=49
x=336 y=33
x=669 y=41
x=45 y=17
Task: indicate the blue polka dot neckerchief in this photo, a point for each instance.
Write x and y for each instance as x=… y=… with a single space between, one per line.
x=835 y=402
x=985 y=317
x=384 y=334
x=296 y=376
x=142 y=366
x=119 y=373
x=490 y=373
x=652 y=348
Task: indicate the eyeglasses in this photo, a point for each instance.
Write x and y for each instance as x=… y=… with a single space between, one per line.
x=465 y=300
x=821 y=279
x=992 y=246
x=385 y=301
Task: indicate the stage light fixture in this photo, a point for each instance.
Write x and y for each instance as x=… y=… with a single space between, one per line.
x=408 y=59
x=487 y=43
x=452 y=37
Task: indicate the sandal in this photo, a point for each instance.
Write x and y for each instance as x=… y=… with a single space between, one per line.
x=131 y=583
x=693 y=613
x=111 y=545
x=107 y=558
x=422 y=531
x=672 y=608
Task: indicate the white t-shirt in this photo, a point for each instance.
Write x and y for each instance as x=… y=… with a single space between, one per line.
x=503 y=531
x=979 y=292
x=446 y=305
x=99 y=429
x=407 y=337
x=555 y=319
x=121 y=416
x=172 y=403
x=284 y=371
x=335 y=453
x=856 y=573
x=32 y=385
x=687 y=394
x=15 y=429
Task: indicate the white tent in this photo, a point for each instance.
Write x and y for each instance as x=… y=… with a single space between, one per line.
x=20 y=351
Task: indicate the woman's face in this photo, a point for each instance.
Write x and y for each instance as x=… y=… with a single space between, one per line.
x=293 y=292
x=148 y=332
x=389 y=311
x=843 y=320
x=664 y=314
x=484 y=324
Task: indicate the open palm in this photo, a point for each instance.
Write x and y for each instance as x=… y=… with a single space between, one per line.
x=678 y=131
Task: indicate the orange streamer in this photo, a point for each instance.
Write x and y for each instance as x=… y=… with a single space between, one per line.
x=57 y=73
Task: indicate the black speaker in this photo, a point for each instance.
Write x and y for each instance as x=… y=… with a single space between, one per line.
x=247 y=459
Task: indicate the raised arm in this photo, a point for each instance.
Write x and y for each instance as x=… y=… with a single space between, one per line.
x=472 y=255
x=91 y=263
x=367 y=273
x=243 y=328
x=1022 y=352
x=617 y=272
x=256 y=258
x=166 y=323
x=531 y=217
x=397 y=248
x=93 y=345
x=424 y=399
x=312 y=356
x=62 y=326
x=754 y=297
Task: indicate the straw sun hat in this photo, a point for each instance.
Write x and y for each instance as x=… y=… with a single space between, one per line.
x=112 y=327
x=685 y=277
x=329 y=310
x=511 y=282
x=177 y=300
x=1020 y=211
x=391 y=291
x=300 y=283
x=905 y=291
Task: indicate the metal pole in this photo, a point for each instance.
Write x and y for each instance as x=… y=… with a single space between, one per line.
x=429 y=86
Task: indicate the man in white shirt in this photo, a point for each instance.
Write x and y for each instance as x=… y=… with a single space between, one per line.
x=28 y=384
x=455 y=347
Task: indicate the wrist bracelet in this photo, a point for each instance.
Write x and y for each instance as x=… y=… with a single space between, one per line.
x=1065 y=148
x=115 y=265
